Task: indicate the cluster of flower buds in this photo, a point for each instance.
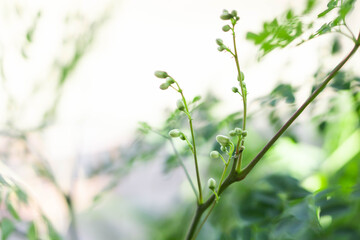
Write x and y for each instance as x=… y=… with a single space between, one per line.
x=232 y=16
x=238 y=132
x=221 y=47
x=164 y=75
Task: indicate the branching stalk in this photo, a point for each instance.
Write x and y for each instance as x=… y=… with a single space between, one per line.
x=234 y=176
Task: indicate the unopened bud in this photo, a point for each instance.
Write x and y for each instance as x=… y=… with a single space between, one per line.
x=164 y=86
x=214 y=154
x=175 y=133
x=232 y=133
x=212 y=184
x=161 y=74
x=235 y=89
x=180 y=105
x=223 y=140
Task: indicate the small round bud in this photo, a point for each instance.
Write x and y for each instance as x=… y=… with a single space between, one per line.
x=223 y=140
x=214 y=154
x=219 y=42
x=182 y=136
x=238 y=131
x=242 y=148
x=242 y=76
x=221 y=48
x=244 y=133
x=212 y=184
x=235 y=89
x=226 y=28
x=180 y=105
x=232 y=133
x=175 y=133
x=237 y=18
x=223 y=149
x=234 y=13
x=161 y=74
x=164 y=86
x=169 y=80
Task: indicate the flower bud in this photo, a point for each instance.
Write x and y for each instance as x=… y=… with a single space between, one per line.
x=161 y=74
x=234 y=13
x=175 y=133
x=219 y=42
x=164 y=86
x=169 y=80
x=235 y=89
x=238 y=131
x=232 y=133
x=212 y=184
x=182 y=136
x=223 y=149
x=223 y=140
x=226 y=28
x=221 y=48
x=242 y=76
x=180 y=105
x=214 y=154
x=242 y=148
x=244 y=133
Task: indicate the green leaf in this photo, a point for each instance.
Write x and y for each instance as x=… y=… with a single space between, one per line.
x=7 y=227
x=12 y=210
x=310 y=4
x=32 y=232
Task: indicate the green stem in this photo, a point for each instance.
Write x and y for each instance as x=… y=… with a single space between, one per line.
x=321 y=87
x=200 y=200
x=244 y=98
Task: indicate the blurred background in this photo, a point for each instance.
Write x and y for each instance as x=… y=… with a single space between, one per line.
x=77 y=78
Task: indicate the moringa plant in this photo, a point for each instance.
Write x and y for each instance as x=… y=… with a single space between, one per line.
x=232 y=147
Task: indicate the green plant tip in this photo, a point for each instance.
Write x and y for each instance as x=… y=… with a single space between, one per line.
x=244 y=133
x=223 y=140
x=226 y=28
x=164 y=86
x=169 y=80
x=161 y=74
x=212 y=184
x=180 y=105
x=182 y=136
x=214 y=154
x=219 y=42
x=242 y=76
x=232 y=133
x=235 y=89
x=238 y=131
x=234 y=13
x=175 y=133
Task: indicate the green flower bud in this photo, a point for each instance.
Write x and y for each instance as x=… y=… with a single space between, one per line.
x=232 y=133
x=214 y=154
x=226 y=28
x=244 y=133
x=242 y=76
x=223 y=140
x=182 y=136
x=161 y=74
x=219 y=42
x=223 y=149
x=238 y=131
x=237 y=18
x=175 y=133
x=212 y=184
x=221 y=48
x=164 y=86
x=242 y=148
x=180 y=105
x=169 y=80
x=234 y=13
x=226 y=16
x=235 y=89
